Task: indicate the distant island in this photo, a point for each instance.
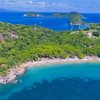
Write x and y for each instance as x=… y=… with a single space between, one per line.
x=75 y=18
x=22 y=45
x=33 y=14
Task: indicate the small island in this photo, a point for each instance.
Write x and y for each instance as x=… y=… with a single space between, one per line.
x=32 y=14
x=75 y=19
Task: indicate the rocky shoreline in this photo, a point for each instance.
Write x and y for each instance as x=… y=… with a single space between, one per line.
x=12 y=75
x=17 y=71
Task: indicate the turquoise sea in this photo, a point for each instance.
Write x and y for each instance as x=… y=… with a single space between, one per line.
x=56 y=82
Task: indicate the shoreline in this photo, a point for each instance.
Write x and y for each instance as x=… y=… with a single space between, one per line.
x=17 y=71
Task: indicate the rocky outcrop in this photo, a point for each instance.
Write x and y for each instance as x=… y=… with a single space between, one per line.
x=1 y=37
x=12 y=35
x=12 y=75
x=89 y=35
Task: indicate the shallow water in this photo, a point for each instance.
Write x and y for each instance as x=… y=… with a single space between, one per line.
x=84 y=71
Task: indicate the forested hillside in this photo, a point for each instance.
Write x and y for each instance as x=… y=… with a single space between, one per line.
x=19 y=44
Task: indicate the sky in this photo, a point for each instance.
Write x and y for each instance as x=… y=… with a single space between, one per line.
x=92 y=6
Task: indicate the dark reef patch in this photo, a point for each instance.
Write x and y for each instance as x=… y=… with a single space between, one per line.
x=61 y=89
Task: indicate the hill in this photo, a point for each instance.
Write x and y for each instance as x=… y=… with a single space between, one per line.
x=20 y=43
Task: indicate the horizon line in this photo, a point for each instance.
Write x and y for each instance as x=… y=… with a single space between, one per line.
x=10 y=10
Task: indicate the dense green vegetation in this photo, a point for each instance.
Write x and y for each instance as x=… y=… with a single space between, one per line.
x=19 y=44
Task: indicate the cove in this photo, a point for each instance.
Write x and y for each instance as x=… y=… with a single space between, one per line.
x=83 y=71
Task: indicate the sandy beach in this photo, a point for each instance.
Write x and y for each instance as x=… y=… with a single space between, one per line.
x=19 y=70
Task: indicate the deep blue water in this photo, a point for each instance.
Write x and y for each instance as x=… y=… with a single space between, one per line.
x=58 y=24
x=56 y=82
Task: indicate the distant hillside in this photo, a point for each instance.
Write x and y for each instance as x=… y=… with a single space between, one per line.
x=75 y=18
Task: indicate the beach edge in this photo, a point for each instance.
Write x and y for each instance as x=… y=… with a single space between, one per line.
x=20 y=70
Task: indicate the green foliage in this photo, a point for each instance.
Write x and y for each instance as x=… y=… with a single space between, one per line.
x=32 y=43
x=96 y=33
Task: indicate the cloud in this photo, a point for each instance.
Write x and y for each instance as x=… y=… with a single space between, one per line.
x=30 y=4
x=22 y=3
x=35 y=4
x=52 y=5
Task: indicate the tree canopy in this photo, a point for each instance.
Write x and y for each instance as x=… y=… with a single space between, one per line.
x=22 y=43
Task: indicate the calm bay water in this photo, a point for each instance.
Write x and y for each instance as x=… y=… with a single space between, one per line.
x=81 y=73
x=58 y=24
